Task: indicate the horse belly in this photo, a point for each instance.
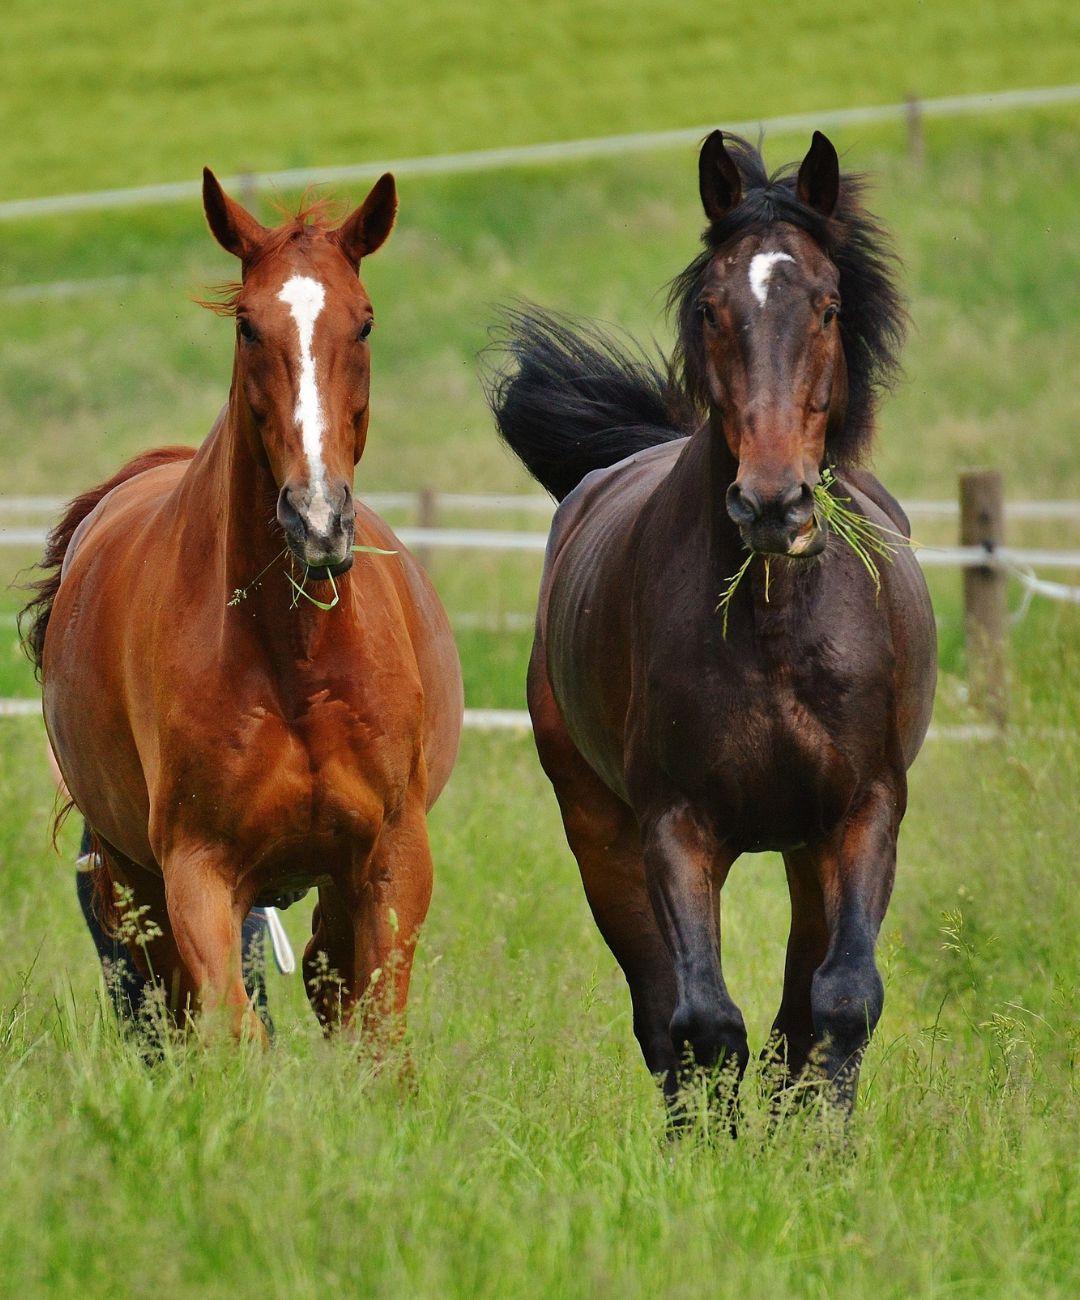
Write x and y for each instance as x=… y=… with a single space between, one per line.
x=89 y=732
x=585 y=612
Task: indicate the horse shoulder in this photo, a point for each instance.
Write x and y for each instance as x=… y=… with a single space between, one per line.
x=906 y=605
x=440 y=700
x=871 y=488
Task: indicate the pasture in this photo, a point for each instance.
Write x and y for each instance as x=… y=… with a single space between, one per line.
x=530 y=1159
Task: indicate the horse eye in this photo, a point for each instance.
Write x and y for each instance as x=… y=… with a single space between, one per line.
x=246 y=330
x=708 y=312
x=365 y=330
x=829 y=316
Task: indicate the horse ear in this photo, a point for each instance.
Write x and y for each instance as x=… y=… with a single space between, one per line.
x=718 y=178
x=235 y=229
x=818 y=185
x=366 y=229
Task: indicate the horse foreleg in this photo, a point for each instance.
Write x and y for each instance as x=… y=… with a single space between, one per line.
x=855 y=871
x=361 y=952
x=686 y=868
x=206 y=919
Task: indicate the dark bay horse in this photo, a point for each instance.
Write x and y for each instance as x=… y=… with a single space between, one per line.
x=228 y=739
x=674 y=745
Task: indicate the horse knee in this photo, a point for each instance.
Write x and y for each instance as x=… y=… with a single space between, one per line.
x=846 y=1004
x=710 y=1034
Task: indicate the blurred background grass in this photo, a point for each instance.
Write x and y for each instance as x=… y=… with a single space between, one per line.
x=123 y=93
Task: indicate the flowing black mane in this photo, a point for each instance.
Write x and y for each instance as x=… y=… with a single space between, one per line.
x=873 y=321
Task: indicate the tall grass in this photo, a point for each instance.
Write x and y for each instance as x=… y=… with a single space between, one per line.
x=531 y=1157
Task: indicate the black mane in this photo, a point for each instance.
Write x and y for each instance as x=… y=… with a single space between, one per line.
x=873 y=321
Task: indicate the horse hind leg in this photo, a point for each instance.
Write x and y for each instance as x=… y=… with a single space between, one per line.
x=127 y=907
x=603 y=836
x=792 y=1036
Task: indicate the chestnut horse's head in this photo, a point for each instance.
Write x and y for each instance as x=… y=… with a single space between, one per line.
x=302 y=365
x=764 y=330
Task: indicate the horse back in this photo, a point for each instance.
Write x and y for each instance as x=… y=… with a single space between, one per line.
x=870 y=487
x=63 y=541
x=908 y=609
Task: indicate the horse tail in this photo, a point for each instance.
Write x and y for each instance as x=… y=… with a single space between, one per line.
x=103 y=898
x=573 y=399
x=34 y=616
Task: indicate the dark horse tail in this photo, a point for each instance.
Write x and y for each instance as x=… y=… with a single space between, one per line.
x=573 y=400
x=34 y=617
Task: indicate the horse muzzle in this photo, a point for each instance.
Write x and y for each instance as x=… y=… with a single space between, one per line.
x=784 y=524
x=319 y=525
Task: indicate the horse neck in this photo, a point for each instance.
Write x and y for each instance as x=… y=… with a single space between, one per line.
x=230 y=522
x=695 y=494
x=235 y=497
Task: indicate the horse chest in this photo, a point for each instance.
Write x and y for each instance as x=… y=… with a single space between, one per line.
x=761 y=745
x=327 y=767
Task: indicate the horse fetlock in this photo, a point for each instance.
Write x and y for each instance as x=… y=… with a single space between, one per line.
x=846 y=1006
x=710 y=1035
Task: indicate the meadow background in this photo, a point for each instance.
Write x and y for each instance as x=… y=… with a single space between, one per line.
x=531 y=1159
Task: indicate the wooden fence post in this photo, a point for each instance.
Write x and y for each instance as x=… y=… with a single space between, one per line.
x=982 y=523
x=916 y=142
x=425 y=518
x=249 y=191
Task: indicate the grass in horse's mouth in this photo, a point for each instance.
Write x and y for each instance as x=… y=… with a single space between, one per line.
x=298 y=587
x=870 y=541
x=241 y=593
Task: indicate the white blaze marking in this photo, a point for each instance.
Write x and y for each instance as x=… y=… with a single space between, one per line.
x=761 y=266
x=305 y=298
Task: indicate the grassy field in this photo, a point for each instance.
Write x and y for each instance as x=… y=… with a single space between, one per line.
x=530 y=1159
x=119 y=94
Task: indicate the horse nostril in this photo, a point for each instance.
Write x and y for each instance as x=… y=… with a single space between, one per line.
x=288 y=516
x=743 y=505
x=797 y=503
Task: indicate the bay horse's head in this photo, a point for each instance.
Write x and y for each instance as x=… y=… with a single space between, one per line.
x=788 y=322
x=302 y=366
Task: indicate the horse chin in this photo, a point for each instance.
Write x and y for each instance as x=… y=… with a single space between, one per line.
x=323 y=572
x=320 y=571
x=808 y=541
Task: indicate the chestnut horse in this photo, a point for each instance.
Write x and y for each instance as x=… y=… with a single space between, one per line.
x=228 y=737
x=675 y=744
